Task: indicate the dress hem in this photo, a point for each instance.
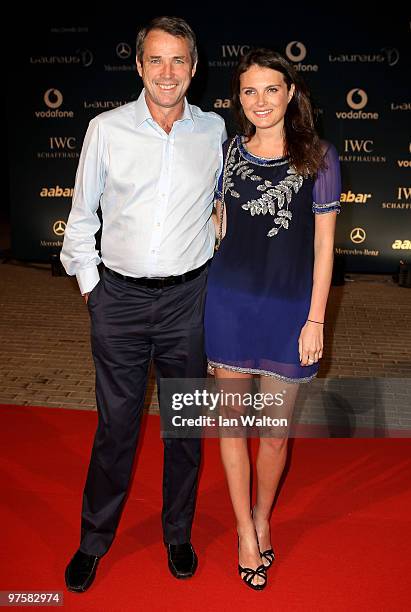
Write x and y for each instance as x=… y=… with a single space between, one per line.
x=231 y=368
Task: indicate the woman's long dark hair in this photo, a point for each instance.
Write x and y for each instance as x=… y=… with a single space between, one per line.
x=302 y=144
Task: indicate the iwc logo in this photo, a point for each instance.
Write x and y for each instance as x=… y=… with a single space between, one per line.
x=296 y=52
x=356 y=99
x=360 y=150
x=358 y=235
x=403 y=193
x=59 y=227
x=227 y=55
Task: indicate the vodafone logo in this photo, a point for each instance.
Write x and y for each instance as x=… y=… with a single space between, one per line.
x=296 y=51
x=53 y=98
x=357 y=99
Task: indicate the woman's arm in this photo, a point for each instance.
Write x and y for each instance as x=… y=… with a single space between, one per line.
x=216 y=218
x=310 y=343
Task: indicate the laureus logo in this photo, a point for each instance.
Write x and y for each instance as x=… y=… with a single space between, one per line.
x=357 y=99
x=53 y=98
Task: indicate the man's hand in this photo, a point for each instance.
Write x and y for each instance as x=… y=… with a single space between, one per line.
x=85 y=296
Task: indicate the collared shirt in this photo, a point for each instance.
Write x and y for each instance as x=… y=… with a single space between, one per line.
x=155 y=191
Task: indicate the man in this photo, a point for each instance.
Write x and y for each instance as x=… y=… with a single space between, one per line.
x=152 y=167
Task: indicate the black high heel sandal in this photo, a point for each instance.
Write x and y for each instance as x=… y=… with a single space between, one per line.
x=269 y=554
x=250 y=574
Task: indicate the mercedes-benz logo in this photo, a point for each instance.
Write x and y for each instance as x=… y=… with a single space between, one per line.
x=295 y=51
x=123 y=50
x=358 y=235
x=53 y=98
x=59 y=227
x=358 y=93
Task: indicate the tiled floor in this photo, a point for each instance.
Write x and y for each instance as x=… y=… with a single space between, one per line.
x=45 y=353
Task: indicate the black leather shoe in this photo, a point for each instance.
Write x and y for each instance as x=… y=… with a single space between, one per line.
x=81 y=572
x=182 y=560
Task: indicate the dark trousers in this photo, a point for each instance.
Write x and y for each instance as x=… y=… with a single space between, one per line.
x=130 y=325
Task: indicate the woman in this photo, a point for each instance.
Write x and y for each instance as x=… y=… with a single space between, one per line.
x=278 y=198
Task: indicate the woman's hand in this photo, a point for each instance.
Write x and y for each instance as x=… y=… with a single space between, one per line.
x=310 y=343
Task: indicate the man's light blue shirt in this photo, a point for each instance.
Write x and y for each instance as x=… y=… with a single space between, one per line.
x=155 y=191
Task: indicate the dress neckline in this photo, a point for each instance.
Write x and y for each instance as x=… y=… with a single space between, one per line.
x=256 y=159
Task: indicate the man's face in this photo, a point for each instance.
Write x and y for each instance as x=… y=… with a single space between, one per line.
x=166 y=69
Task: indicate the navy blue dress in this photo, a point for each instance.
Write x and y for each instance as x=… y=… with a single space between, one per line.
x=260 y=280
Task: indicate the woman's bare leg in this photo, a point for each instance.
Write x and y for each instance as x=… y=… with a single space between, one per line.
x=236 y=462
x=271 y=458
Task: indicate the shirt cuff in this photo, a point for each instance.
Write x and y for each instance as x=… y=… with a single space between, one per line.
x=87 y=279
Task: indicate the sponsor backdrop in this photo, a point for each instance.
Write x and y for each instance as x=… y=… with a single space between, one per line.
x=355 y=68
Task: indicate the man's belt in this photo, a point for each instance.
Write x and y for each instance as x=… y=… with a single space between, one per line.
x=159 y=283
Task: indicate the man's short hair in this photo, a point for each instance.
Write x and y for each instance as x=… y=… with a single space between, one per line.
x=172 y=25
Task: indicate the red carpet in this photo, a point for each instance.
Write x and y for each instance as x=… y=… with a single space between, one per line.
x=341 y=527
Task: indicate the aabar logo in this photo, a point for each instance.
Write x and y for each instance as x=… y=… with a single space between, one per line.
x=404 y=245
x=62 y=142
x=358 y=235
x=360 y=198
x=222 y=103
x=296 y=52
x=56 y=192
x=357 y=99
x=354 y=146
x=400 y=106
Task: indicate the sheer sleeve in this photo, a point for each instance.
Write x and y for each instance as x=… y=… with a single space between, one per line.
x=327 y=186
